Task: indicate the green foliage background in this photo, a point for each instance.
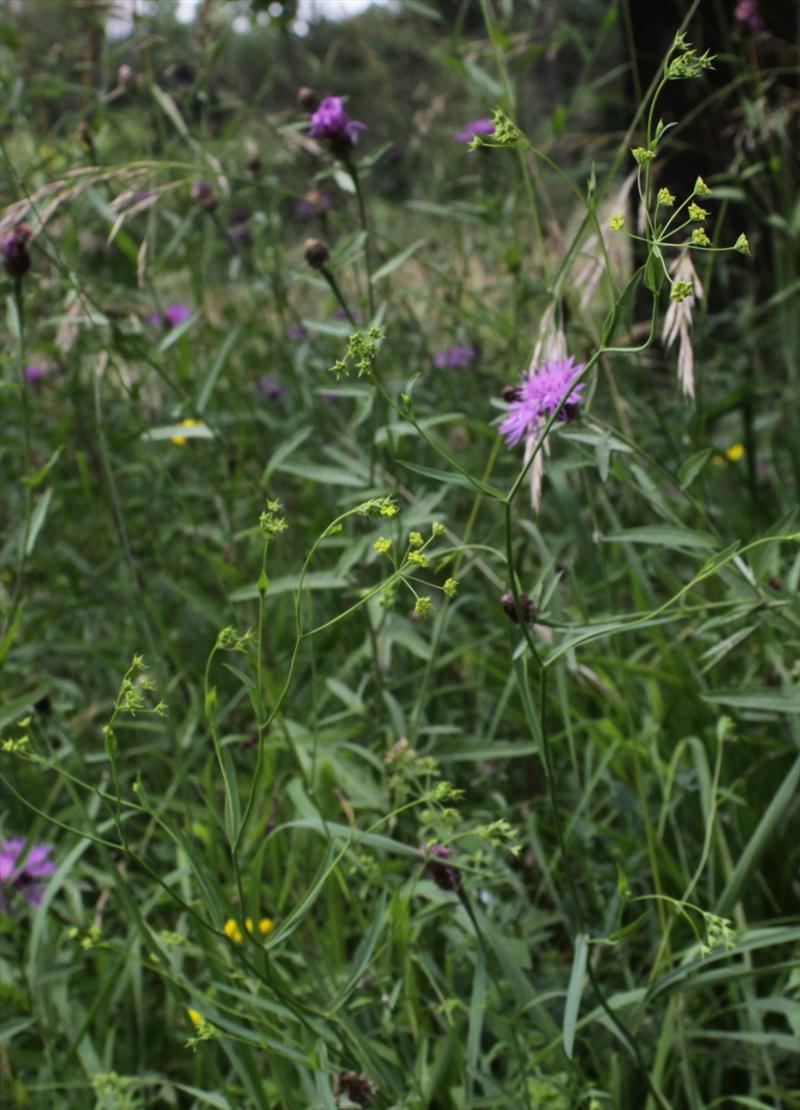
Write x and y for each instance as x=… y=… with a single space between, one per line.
x=624 y=817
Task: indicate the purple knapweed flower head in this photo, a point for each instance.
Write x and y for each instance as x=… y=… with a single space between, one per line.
x=203 y=193
x=748 y=16
x=34 y=373
x=454 y=358
x=296 y=332
x=242 y=235
x=314 y=203
x=473 y=128
x=271 y=388
x=24 y=878
x=175 y=314
x=539 y=395
x=14 y=251
x=446 y=878
x=332 y=123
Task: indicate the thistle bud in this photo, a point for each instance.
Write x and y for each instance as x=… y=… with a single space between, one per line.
x=203 y=193
x=14 y=250
x=307 y=99
x=446 y=878
x=254 y=164
x=316 y=253
x=526 y=606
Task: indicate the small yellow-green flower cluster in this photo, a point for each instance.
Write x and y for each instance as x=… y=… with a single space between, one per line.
x=665 y=198
x=383 y=545
x=617 y=221
x=681 y=290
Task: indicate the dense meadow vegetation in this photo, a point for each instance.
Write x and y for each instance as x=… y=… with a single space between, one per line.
x=399 y=561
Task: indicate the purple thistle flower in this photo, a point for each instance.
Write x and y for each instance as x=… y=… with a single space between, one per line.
x=332 y=123
x=446 y=878
x=271 y=388
x=747 y=15
x=34 y=373
x=475 y=127
x=242 y=236
x=454 y=358
x=296 y=332
x=24 y=879
x=540 y=394
x=314 y=203
x=177 y=313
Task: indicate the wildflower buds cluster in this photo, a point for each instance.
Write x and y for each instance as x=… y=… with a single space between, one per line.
x=203 y=1029
x=362 y=348
x=229 y=639
x=14 y=250
x=271 y=522
x=685 y=62
x=505 y=133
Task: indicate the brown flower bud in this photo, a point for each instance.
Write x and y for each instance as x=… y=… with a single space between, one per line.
x=203 y=193
x=316 y=253
x=510 y=393
x=527 y=608
x=307 y=99
x=254 y=164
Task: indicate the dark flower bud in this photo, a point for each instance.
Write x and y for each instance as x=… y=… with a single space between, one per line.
x=510 y=393
x=527 y=608
x=358 y=1088
x=126 y=76
x=203 y=193
x=83 y=134
x=446 y=878
x=316 y=253
x=307 y=99
x=14 y=250
x=254 y=164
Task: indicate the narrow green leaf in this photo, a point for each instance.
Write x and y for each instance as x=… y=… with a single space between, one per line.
x=574 y=992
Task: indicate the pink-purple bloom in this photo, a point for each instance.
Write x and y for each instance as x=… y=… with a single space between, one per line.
x=271 y=388
x=454 y=358
x=174 y=314
x=747 y=15
x=22 y=874
x=14 y=251
x=331 y=122
x=296 y=332
x=34 y=373
x=473 y=128
x=543 y=391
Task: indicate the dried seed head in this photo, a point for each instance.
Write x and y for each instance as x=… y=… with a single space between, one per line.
x=316 y=253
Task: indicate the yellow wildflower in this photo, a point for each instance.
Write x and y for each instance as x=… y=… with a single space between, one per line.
x=735 y=452
x=195 y=1017
x=179 y=440
x=265 y=926
x=232 y=931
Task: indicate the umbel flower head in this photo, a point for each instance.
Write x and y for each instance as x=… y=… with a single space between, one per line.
x=332 y=123
x=24 y=877
x=541 y=393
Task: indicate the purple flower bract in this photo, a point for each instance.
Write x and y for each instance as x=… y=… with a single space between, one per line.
x=540 y=394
